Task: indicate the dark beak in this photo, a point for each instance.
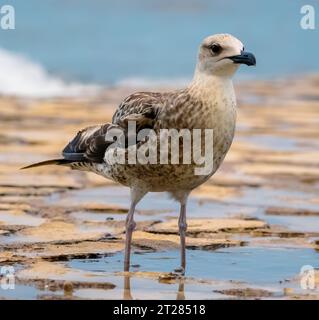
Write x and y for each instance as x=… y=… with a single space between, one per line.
x=244 y=58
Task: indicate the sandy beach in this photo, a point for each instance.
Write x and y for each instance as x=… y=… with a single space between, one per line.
x=252 y=227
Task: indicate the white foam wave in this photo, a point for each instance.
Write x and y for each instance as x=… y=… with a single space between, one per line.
x=140 y=82
x=21 y=77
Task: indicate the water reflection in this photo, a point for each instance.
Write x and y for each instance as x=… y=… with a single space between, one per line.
x=127 y=291
x=127 y=295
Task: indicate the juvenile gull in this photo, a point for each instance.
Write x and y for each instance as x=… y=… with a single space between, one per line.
x=207 y=103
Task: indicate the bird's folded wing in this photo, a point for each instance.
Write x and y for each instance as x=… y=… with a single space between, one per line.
x=142 y=107
x=90 y=144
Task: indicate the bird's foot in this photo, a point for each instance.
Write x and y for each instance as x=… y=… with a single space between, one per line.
x=180 y=271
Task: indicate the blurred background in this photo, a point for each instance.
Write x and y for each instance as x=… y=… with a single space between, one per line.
x=60 y=45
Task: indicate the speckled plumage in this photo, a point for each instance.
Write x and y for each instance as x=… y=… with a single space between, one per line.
x=211 y=106
x=207 y=103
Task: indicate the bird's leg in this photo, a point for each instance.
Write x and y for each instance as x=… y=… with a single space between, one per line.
x=182 y=233
x=130 y=226
x=136 y=195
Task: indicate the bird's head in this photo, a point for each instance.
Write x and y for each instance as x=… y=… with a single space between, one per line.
x=221 y=55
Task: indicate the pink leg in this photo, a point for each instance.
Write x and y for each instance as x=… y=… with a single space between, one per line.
x=182 y=233
x=130 y=226
x=137 y=194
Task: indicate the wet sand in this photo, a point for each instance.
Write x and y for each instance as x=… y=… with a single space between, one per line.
x=252 y=227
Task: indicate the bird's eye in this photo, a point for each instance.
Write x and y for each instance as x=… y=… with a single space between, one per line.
x=216 y=48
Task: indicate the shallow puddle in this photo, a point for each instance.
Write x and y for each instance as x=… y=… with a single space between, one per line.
x=151 y=289
x=208 y=275
x=20 y=292
x=153 y=205
x=19 y=219
x=140 y=288
x=259 y=199
x=268 y=266
x=252 y=202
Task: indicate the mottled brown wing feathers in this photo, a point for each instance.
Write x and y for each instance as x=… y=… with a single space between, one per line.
x=144 y=104
x=90 y=143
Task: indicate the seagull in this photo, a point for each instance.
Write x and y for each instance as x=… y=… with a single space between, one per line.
x=208 y=102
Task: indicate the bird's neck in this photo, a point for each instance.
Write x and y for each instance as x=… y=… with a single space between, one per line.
x=208 y=86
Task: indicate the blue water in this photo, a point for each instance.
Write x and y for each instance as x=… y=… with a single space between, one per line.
x=247 y=264
x=252 y=265
x=95 y=41
x=20 y=291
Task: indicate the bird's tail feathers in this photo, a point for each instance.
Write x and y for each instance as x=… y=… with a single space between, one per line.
x=59 y=162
